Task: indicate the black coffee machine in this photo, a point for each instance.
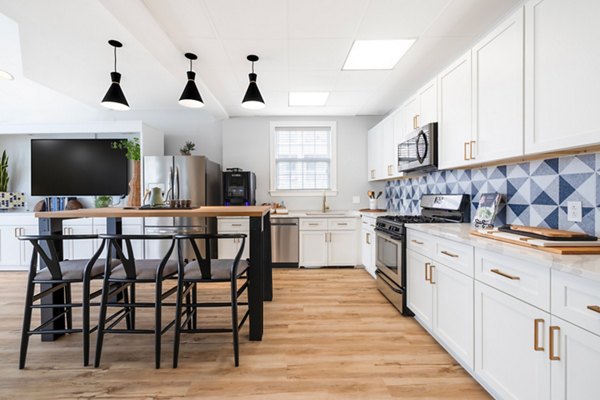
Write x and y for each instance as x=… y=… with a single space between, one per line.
x=239 y=187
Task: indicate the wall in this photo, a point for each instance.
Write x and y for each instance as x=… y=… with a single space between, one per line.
x=536 y=192
x=246 y=143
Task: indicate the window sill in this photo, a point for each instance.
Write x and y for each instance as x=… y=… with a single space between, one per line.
x=303 y=193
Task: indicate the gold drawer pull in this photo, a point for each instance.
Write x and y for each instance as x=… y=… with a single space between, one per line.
x=552 y=330
x=471 y=150
x=504 y=274
x=594 y=308
x=465 y=151
x=236 y=224
x=342 y=223
x=417 y=242
x=427 y=277
x=449 y=254
x=431 y=267
x=313 y=224
x=536 y=334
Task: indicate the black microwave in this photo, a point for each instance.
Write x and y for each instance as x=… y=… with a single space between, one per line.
x=419 y=151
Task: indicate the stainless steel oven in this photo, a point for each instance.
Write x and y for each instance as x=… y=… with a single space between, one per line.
x=390 y=271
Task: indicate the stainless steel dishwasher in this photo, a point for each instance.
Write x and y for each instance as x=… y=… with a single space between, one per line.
x=284 y=242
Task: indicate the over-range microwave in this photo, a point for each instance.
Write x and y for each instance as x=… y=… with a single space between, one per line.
x=419 y=152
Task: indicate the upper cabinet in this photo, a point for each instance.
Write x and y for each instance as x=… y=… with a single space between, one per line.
x=428 y=103
x=498 y=92
x=561 y=74
x=374 y=152
x=454 y=125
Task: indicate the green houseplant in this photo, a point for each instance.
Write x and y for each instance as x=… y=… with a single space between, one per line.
x=4 y=172
x=187 y=148
x=133 y=153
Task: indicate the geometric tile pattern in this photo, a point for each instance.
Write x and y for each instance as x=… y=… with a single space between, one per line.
x=536 y=193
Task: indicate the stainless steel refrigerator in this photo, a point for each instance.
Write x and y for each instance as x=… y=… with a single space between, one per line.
x=194 y=178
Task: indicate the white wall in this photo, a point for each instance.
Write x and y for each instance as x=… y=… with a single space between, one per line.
x=246 y=146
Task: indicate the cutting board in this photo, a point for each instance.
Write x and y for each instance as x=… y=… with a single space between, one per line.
x=547 y=232
x=504 y=237
x=379 y=210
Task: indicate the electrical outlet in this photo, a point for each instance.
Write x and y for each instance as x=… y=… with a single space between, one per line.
x=574 y=211
x=355 y=199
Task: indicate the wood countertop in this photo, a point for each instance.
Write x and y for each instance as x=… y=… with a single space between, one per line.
x=206 y=211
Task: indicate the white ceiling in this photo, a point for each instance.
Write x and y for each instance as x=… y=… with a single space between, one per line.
x=302 y=45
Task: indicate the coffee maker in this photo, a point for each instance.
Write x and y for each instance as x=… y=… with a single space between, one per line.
x=239 y=187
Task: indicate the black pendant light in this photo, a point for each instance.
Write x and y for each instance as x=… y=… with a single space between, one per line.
x=114 y=98
x=191 y=96
x=253 y=99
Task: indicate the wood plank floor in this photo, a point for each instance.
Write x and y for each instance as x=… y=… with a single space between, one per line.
x=329 y=334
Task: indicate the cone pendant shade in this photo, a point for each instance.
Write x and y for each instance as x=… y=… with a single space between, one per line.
x=253 y=100
x=191 y=96
x=114 y=98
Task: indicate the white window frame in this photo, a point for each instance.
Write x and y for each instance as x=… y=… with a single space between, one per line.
x=333 y=164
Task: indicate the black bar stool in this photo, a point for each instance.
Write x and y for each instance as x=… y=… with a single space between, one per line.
x=207 y=270
x=123 y=279
x=61 y=274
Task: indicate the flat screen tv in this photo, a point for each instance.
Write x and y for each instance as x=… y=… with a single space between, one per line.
x=77 y=167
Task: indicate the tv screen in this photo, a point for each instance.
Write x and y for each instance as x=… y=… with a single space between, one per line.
x=77 y=167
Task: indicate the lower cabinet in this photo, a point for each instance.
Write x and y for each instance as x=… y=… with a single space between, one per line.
x=418 y=289
x=575 y=362
x=313 y=248
x=228 y=248
x=511 y=345
x=328 y=242
x=15 y=254
x=368 y=245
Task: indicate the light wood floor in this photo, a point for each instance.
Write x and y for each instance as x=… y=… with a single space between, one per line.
x=329 y=334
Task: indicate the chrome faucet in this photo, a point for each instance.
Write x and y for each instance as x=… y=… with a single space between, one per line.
x=324 y=206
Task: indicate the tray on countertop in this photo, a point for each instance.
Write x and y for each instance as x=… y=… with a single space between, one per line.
x=547 y=233
x=550 y=246
x=379 y=210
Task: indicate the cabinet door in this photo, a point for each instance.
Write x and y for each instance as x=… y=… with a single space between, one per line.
x=374 y=143
x=454 y=128
x=313 y=248
x=388 y=152
x=498 y=92
x=410 y=115
x=137 y=245
x=365 y=248
x=26 y=247
x=505 y=357
x=12 y=251
x=428 y=103
x=227 y=248
x=575 y=374
x=453 y=311
x=561 y=74
x=342 y=248
x=418 y=288
x=79 y=249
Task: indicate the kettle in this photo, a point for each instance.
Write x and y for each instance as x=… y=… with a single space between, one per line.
x=156 y=198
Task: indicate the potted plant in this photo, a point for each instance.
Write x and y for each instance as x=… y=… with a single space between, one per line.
x=8 y=199
x=132 y=148
x=187 y=149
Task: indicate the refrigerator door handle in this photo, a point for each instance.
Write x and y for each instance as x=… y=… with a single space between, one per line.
x=170 y=190
x=177 y=182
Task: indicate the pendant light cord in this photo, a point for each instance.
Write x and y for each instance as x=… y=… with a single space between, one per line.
x=115 y=52
x=190 y=65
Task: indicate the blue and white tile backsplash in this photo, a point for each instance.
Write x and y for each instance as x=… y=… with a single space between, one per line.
x=536 y=192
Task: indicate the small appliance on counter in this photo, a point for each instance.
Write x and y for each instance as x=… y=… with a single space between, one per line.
x=239 y=187
x=419 y=152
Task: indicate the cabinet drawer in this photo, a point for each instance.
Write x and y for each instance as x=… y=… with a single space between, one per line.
x=576 y=300
x=233 y=225
x=523 y=280
x=420 y=243
x=341 y=224
x=455 y=255
x=313 y=224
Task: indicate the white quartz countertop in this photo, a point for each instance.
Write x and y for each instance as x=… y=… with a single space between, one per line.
x=587 y=266
x=317 y=214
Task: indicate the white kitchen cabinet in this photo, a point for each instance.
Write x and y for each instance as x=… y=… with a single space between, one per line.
x=15 y=254
x=455 y=108
x=388 y=151
x=428 y=103
x=561 y=74
x=328 y=242
x=410 y=112
x=368 y=244
x=575 y=362
x=78 y=249
x=228 y=248
x=419 y=289
x=507 y=333
x=453 y=311
x=498 y=92
x=375 y=140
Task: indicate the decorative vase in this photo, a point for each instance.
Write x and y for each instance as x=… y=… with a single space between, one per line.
x=134 y=196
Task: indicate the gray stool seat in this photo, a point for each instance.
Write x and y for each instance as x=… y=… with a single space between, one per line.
x=145 y=270
x=220 y=269
x=72 y=270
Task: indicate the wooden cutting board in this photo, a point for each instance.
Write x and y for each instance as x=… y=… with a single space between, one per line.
x=555 y=250
x=547 y=231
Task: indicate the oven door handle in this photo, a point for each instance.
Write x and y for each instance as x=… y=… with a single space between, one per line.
x=393 y=286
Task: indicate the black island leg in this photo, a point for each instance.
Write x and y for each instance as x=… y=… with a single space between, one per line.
x=52 y=226
x=256 y=285
x=267 y=269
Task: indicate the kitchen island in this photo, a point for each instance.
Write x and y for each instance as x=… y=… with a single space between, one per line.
x=260 y=286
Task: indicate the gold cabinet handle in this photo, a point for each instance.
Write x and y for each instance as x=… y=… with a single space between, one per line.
x=342 y=223
x=594 y=308
x=16 y=232
x=449 y=254
x=465 y=151
x=416 y=241
x=313 y=224
x=368 y=238
x=504 y=274
x=427 y=277
x=536 y=334
x=471 y=150
x=431 y=267
x=552 y=330
x=236 y=224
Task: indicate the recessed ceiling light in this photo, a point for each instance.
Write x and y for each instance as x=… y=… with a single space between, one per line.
x=376 y=54
x=308 y=98
x=5 y=75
